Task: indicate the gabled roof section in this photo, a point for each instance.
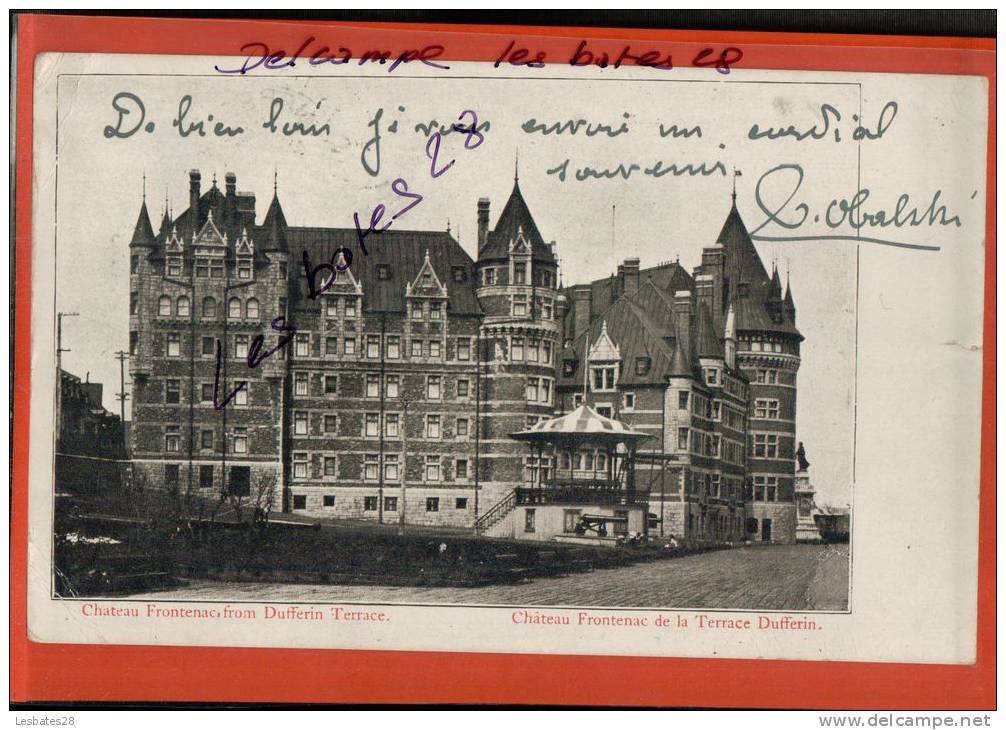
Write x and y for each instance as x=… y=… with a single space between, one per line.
x=395 y=260
x=515 y=220
x=210 y=235
x=603 y=349
x=426 y=283
x=143 y=232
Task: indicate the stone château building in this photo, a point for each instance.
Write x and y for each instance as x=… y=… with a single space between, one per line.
x=399 y=386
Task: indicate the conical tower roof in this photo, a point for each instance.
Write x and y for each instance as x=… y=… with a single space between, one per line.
x=143 y=232
x=515 y=220
x=707 y=344
x=275 y=227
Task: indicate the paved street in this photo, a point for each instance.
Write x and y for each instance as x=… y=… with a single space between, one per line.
x=770 y=577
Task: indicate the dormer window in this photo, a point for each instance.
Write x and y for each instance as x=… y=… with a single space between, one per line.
x=604 y=378
x=331 y=307
x=546 y=278
x=435 y=310
x=568 y=367
x=642 y=365
x=202 y=268
x=712 y=376
x=459 y=274
x=417 y=310
x=244 y=270
x=350 y=308
x=520 y=274
x=174 y=267
x=743 y=289
x=383 y=272
x=489 y=277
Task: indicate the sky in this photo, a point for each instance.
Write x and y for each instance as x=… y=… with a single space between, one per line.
x=322 y=180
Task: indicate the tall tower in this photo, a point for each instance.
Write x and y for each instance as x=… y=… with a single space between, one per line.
x=201 y=291
x=743 y=298
x=517 y=289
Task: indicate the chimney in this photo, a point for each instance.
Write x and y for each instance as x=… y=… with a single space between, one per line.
x=230 y=184
x=630 y=273
x=682 y=313
x=194 y=178
x=483 y=226
x=619 y=289
x=581 y=308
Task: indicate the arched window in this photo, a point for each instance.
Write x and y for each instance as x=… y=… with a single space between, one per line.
x=251 y=309
x=183 y=306
x=209 y=308
x=234 y=308
x=164 y=306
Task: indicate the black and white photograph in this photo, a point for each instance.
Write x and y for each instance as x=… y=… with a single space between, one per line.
x=335 y=340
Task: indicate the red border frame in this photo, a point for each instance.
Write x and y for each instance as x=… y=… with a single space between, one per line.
x=64 y=672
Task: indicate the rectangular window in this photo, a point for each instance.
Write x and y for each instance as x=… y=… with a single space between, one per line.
x=433 y=427
x=519 y=306
x=216 y=269
x=546 y=308
x=432 y=471
x=373 y=385
x=546 y=391
x=434 y=348
x=391 y=504
x=461 y=469
x=461 y=427
x=349 y=345
x=630 y=401
x=206 y=439
x=205 y=476
x=329 y=465
x=302 y=345
x=682 y=439
x=417 y=348
x=350 y=308
x=174 y=344
x=300 y=383
x=546 y=353
x=532 y=390
x=717 y=408
x=489 y=277
x=517 y=349
x=532 y=351
x=134 y=342
x=241 y=346
x=173 y=391
x=328 y=500
x=766 y=445
x=373 y=346
x=394 y=347
x=435 y=310
x=331 y=345
x=604 y=378
x=391 y=386
x=570 y=519
x=683 y=400
x=712 y=376
x=433 y=387
x=331 y=307
x=244 y=271
x=391 y=467
x=464 y=348
x=528 y=520
x=372 y=424
x=331 y=423
x=391 y=425
x=463 y=386
x=417 y=310
x=134 y=264
x=240 y=440
x=171 y=439
x=331 y=384
x=300 y=501
x=432 y=504
x=767 y=408
x=209 y=347
x=300 y=423
x=171 y=475
x=241 y=396
x=461 y=503
x=370 y=504
x=371 y=465
x=520 y=274
x=577 y=400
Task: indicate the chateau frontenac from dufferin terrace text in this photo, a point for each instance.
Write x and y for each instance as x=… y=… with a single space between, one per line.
x=398 y=389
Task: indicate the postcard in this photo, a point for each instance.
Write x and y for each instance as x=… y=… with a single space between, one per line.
x=337 y=347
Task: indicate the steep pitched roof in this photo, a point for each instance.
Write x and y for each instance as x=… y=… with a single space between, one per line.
x=274 y=227
x=707 y=342
x=143 y=232
x=514 y=220
x=752 y=287
x=396 y=257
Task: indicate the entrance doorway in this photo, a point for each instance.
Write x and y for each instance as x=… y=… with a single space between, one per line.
x=766 y=530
